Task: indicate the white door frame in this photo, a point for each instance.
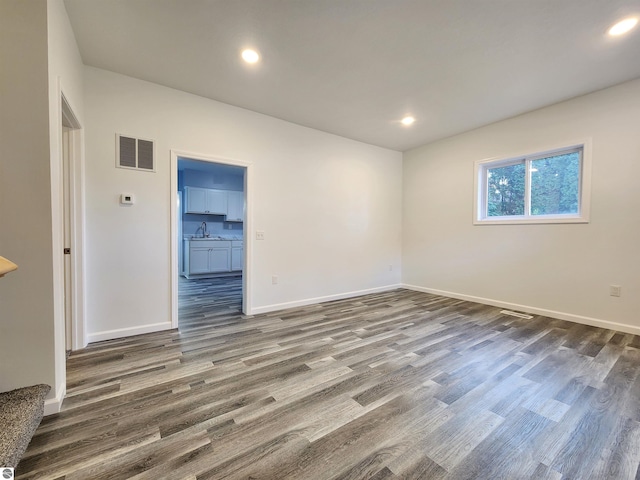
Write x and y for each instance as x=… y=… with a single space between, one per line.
x=66 y=231
x=76 y=207
x=247 y=227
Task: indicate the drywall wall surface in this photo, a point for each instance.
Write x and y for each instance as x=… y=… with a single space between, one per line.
x=559 y=268
x=329 y=207
x=66 y=76
x=66 y=70
x=26 y=295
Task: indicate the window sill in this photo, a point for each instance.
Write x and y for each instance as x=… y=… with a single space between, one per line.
x=530 y=220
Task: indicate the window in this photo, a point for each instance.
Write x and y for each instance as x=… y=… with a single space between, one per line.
x=547 y=187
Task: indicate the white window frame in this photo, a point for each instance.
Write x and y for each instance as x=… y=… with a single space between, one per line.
x=480 y=182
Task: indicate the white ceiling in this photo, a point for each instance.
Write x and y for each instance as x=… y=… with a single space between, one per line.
x=356 y=67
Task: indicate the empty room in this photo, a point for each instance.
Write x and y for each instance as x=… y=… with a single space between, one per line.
x=320 y=239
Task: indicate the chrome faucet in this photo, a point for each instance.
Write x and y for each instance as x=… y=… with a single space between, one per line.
x=204 y=229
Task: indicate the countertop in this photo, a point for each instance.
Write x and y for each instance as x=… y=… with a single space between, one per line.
x=215 y=237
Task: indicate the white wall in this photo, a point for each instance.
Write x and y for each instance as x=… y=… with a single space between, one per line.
x=330 y=207
x=32 y=346
x=564 y=270
x=26 y=296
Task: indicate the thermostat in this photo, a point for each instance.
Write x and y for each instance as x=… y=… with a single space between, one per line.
x=126 y=199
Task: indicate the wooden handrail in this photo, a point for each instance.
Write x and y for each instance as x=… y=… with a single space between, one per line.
x=6 y=266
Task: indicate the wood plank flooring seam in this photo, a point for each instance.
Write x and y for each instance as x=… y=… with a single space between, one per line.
x=399 y=384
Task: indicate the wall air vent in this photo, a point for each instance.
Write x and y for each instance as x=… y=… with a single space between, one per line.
x=135 y=153
x=516 y=314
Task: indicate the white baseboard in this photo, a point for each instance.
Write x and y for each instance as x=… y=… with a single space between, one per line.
x=594 y=322
x=54 y=405
x=327 y=298
x=128 y=332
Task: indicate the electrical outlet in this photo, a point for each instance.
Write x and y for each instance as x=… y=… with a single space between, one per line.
x=259 y=235
x=274 y=280
x=615 y=290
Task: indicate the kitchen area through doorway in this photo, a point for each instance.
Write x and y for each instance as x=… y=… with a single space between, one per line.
x=211 y=211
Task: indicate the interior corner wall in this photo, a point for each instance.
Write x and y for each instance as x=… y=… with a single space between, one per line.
x=66 y=76
x=563 y=270
x=329 y=206
x=26 y=295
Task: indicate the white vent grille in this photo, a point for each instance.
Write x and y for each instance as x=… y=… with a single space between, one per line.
x=516 y=314
x=128 y=152
x=135 y=153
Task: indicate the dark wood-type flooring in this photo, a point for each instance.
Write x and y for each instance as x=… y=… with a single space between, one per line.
x=393 y=385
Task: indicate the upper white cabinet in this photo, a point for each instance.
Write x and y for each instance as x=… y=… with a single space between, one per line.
x=196 y=199
x=215 y=202
x=235 y=206
x=206 y=200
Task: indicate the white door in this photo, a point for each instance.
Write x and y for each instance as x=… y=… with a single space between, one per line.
x=70 y=228
x=66 y=192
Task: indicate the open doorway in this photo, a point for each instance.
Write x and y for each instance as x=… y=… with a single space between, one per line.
x=210 y=222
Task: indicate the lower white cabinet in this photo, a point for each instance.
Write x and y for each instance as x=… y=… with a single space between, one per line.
x=212 y=256
x=237 y=255
x=198 y=260
x=219 y=259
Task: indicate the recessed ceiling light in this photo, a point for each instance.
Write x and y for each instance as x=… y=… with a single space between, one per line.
x=250 y=56
x=623 y=26
x=408 y=121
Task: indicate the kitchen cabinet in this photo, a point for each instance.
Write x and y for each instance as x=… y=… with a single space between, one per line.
x=206 y=200
x=220 y=257
x=208 y=257
x=196 y=199
x=235 y=206
x=237 y=255
x=198 y=260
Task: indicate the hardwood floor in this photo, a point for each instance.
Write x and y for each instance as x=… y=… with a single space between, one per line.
x=204 y=300
x=393 y=385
